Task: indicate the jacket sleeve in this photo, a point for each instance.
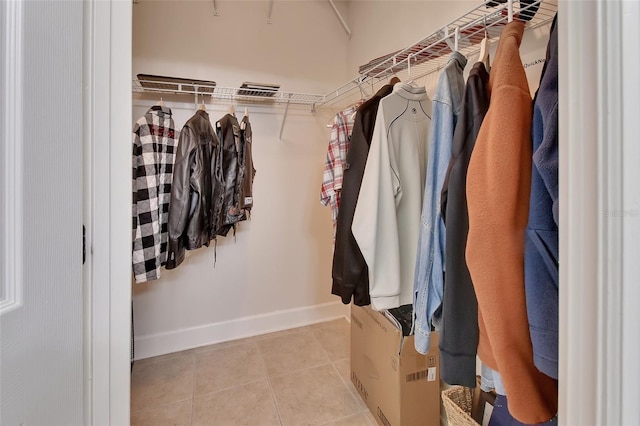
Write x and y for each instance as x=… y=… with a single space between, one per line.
x=327 y=191
x=498 y=185
x=375 y=223
x=136 y=236
x=545 y=158
x=429 y=275
x=179 y=206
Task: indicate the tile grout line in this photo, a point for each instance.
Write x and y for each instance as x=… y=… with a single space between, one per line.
x=330 y=364
x=299 y=370
x=237 y=385
x=354 y=396
x=172 y=363
x=202 y=395
x=344 y=418
x=327 y=357
x=273 y=393
x=275 y=402
x=156 y=407
x=193 y=389
x=321 y=347
x=346 y=384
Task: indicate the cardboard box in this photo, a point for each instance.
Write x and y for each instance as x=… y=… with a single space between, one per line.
x=400 y=386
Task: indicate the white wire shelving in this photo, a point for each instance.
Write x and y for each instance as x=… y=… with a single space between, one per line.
x=431 y=53
x=241 y=95
x=238 y=94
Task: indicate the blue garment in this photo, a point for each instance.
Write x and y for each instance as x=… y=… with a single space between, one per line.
x=502 y=417
x=541 y=246
x=491 y=380
x=428 y=282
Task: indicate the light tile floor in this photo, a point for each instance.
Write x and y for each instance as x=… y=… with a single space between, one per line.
x=290 y=378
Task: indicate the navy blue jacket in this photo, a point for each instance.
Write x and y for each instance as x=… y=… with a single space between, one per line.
x=541 y=249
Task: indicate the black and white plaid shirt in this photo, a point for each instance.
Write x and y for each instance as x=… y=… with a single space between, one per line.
x=154 y=143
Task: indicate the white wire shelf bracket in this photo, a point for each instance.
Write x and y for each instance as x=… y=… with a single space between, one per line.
x=237 y=94
x=432 y=52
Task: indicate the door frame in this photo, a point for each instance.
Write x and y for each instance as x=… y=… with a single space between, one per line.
x=107 y=130
x=599 y=222
x=599 y=53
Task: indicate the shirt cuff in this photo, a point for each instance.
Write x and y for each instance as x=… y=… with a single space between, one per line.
x=379 y=303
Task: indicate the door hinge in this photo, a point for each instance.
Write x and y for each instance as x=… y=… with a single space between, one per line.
x=84 y=244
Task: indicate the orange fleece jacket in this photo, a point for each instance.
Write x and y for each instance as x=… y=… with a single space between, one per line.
x=498 y=185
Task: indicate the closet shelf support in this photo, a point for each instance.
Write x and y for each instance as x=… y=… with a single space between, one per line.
x=284 y=119
x=215 y=8
x=339 y=15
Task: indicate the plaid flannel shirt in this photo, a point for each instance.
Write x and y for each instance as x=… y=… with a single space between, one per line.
x=336 y=160
x=154 y=143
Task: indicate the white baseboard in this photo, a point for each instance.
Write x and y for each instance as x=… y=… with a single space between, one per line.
x=150 y=345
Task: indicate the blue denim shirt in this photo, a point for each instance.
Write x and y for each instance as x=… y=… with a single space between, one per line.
x=428 y=282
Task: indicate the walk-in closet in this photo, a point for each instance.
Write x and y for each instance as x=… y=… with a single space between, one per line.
x=198 y=304
x=282 y=266
x=319 y=212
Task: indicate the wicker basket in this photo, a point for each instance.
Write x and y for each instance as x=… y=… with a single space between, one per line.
x=458 y=401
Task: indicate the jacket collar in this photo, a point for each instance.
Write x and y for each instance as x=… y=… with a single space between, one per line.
x=158 y=109
x=410 y=92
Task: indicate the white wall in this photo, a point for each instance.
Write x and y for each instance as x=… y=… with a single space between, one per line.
x=381 y=27
x=276 y=274
x=304 y=48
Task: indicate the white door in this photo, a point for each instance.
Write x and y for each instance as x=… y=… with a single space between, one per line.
x=41 y=311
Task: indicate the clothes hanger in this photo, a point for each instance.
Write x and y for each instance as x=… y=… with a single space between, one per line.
x=330 y=122
x=357 y=104
x=243 y=125
x=363 y=94
x=456 y=38
x=484 y=47
x=394 y=80
x=161 y=102
x=232 y=110
x=202 y=107
x=411 y=82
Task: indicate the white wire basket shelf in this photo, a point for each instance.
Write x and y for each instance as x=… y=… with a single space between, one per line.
x=432 y=52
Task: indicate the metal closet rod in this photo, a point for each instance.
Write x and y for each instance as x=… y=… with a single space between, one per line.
x=472 y=23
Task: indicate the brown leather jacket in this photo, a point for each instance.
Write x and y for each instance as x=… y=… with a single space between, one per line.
x=196 y=191
x=228 y=131
x=247 y=170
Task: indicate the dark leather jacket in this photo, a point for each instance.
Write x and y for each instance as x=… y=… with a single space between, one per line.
x=228 y=131
x=247 y=170
x=196 y=189
x=350 y=272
